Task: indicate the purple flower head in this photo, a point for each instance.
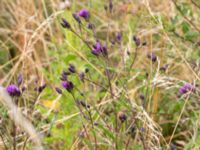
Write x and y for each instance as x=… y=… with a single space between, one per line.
x=136 y=40
x=65 y=23
x=152 y=56
x=110 y=6
x=58 y=90
x=186 y=88
x=42 y=87
x=13 y=90
x=172 y=146
x=97 y=49
x=164 y=68
x=91 y=26
x=119 y=37
x=84 y=13
x=82 y=76
x=72 y=68
x=76 y=17
x=68 y=85
x=104 y=51
x=64 y=75
x=19 y=79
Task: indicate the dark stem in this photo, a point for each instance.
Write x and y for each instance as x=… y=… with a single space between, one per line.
x=89 y=113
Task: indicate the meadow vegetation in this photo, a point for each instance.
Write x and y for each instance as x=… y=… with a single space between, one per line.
x=100 y=74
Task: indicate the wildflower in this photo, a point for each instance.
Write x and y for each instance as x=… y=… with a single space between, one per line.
x=84 y=13
x=104 y=51
x=82 y=76
x=119 y=37
x=64 y=75
x=91 y=26
x=97 y=49
x=13 y=90
x=152 y=56
x=142 y=96
x=42 y=87
x=72 y=68
x=110 y=6
x=186 y=88
x=172 y=146
x=76 y=17
x=19 y=79
x=164 y=68
x=122 y=116
x=65 y=24
x=23 y=88
x=136 y=40
x=68 y=85
x=58 y=90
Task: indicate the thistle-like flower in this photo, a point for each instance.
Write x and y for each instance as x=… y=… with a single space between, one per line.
x=97 y=49
x=152 y=56
x=72 y=68
x=76 y=17
x=186 y=88
x=136 y=40
x=68 y=85
x=119 y=37
x=13 y=90
x=65 y=24
x=42 y=87
x=82 y=76
x=58 y=90
x=84 y=13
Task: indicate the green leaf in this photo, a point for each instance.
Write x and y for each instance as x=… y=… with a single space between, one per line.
x=185 y=27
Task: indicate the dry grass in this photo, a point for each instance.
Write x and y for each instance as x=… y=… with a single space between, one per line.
x=29 y=30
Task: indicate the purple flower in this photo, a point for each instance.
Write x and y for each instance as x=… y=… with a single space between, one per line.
x=186 y=88
x=119 y=37
x=72 y=68
x=82 y=76
x=97 y=49
x=58 y=90
x=84 y=13
x=42 y=87
x=152 y=56
x=13 y=90
x=110 y=6
x=76 y=17
x=65 y=23
x=64 y=75
x=91 y=26
x=68 y=85
x=104 y=51
x=136 y=40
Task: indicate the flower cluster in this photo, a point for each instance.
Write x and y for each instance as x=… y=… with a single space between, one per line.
x=186 y=88
x=99 y=49
x=84 y=13
x=152 y=56
x=13 y=90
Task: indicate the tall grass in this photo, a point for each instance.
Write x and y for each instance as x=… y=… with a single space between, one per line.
x=128 y=100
